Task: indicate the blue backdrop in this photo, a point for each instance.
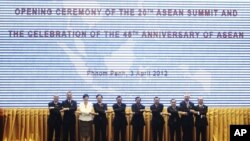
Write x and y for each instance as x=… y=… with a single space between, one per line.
x=131 y=48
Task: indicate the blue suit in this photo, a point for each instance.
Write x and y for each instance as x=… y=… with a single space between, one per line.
x=157 y=121
x=137 y=121
x=100 y=121
x=187 y=121
x=69 y=120
x=54 y=120
x=120 y=121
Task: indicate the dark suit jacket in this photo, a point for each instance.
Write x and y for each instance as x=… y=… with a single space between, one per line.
x=157 y=118
x=69 y=115
x=201 y=119
x=120 y=115
x=174 y=119
x=101 y=117
x=55 y=114
x=187 y=119
x=137 y=119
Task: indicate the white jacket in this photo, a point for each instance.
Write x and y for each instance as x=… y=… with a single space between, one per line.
x=85 y=111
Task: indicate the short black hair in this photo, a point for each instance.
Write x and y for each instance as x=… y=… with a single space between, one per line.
x=172 y=99
x=99 y=95
x=156 y=97
x=118 y=97
x=137 y=97
x=85 y=95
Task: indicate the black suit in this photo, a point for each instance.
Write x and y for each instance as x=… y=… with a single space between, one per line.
x=137 y=121
x=54 y=120
x=1 y=124
x=69 y=120
x=187 y=121
x=174 y=123
x=100 y=121
x=120 y=121
x=201 y=122
x=157 y=121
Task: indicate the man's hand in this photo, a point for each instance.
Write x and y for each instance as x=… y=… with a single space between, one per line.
x=193 y=111
x=182 y=113
x=78 y=112
x=64 y=109
x=163 y=113
x=142 y=110
x=93 y=113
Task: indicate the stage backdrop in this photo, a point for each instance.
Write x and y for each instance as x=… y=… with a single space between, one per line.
x=131 y=48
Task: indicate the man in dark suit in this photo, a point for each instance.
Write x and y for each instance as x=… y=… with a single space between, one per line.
x=69 y=118
x=201 y=120
x=100 y=119
x=54 y=119
x=120 y=121
x=157 y=121
x=174 y=121
x=187 y=120
x=137 y=119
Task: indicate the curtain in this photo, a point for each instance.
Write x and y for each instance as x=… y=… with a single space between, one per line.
x=30 y=124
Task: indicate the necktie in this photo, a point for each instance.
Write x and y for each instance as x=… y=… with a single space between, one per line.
x=187 y=104
x=100 y=104
x=174 y=108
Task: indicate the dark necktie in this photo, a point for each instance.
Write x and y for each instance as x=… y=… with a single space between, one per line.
x=174 y=108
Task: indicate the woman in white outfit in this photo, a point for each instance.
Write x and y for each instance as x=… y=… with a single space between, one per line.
x=86 y=118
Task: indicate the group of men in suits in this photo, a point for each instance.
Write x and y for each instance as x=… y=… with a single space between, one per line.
x=187 y=110
x=179 y=117
x=55 y=120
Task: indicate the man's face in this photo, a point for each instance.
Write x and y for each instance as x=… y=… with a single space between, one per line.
x=200 y=101
x=157 y=100
x=173 y=103
x=69 y=95
x=119 y=100
x=186 y=97
x=99 y=99
x=138 y=100
x=56 y=98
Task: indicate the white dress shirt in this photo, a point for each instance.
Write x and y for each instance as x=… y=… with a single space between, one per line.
x=85 y=111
